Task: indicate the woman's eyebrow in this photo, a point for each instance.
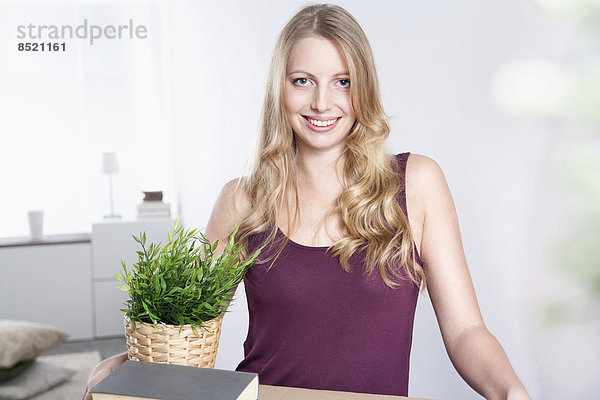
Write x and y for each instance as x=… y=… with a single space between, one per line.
x=344 y=73
x=299 y=71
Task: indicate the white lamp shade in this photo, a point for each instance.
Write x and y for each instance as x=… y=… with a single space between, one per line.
x=109 y=163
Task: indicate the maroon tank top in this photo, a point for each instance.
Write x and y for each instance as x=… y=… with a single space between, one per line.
x=312 y=325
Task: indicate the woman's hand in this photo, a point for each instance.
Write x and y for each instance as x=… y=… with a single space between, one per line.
x=101 y=371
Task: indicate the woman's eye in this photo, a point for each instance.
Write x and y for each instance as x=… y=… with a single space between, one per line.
x=344 y=83
x=301 y=81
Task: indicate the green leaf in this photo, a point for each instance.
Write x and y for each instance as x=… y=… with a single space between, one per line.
x=182 y=281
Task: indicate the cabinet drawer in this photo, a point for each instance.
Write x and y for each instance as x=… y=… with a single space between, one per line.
x=49 y=284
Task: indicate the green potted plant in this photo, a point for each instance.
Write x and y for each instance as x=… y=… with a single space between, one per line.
x=178 y=293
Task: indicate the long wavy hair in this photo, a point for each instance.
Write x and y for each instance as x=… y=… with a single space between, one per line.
x=372 y=221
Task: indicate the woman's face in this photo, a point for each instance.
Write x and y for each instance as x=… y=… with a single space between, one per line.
x=317 y=95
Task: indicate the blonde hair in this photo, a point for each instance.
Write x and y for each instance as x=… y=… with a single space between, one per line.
x=371 y=218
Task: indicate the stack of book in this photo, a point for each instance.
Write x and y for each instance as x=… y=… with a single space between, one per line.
x=153 y=207
x=139 y=380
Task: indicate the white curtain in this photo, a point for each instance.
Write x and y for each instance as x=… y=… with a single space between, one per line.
x=61 y=110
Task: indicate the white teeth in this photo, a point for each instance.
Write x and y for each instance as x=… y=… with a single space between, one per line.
x=322 y=123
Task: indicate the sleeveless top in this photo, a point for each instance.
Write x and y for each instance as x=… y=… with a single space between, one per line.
x=314 y=326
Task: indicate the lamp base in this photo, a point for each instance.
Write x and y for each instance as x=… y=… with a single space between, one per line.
x=112 y=216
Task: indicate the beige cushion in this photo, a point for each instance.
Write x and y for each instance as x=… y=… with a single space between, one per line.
x=22 y=340
x=40 y=377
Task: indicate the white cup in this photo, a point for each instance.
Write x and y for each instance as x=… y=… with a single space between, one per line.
x=36 y=223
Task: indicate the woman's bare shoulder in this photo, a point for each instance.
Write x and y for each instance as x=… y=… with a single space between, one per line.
x=232 y=205
x=424 y=176
x=421 y=169
x=425 y=185
x=234 y=191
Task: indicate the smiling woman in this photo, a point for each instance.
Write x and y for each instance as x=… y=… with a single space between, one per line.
x=347 y=232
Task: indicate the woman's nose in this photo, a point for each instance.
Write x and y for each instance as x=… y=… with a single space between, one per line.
x=320 y=101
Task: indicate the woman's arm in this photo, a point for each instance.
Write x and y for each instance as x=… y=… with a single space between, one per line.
x=102 y=370
x=230 y=208
x=474 y=351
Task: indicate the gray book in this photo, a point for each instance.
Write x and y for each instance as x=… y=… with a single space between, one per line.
x=146 y=380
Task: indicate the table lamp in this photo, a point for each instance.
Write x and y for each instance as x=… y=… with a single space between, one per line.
x=110 y=167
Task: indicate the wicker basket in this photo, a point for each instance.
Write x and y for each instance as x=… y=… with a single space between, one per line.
x=171 y=346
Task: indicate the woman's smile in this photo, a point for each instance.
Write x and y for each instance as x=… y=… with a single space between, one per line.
x=321 y=124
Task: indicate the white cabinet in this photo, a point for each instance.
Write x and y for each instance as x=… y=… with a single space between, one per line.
x=111 y=243
x=109 y=299
x=48 y=283
x=69 y=281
